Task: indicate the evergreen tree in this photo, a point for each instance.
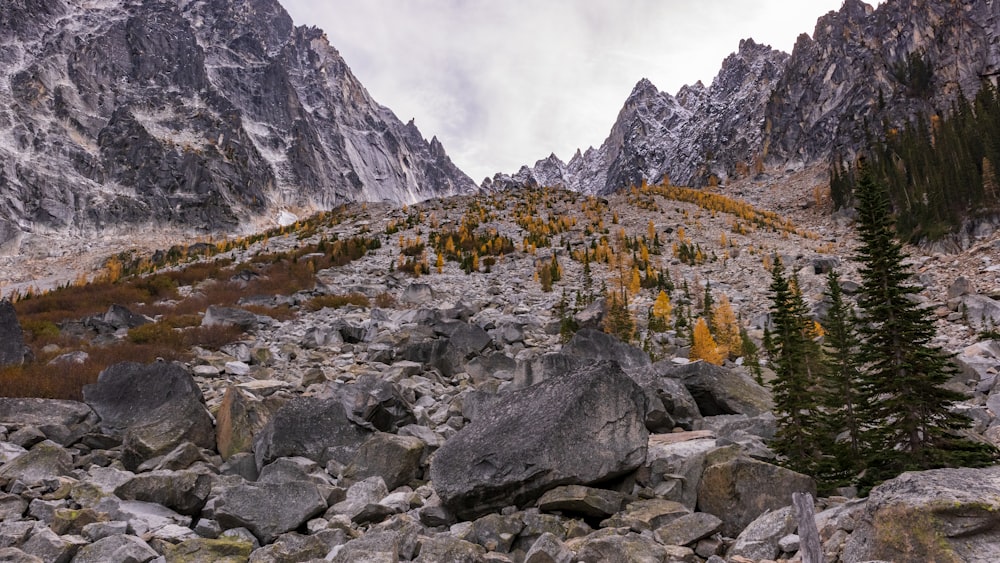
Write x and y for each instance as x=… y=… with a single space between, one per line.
x=840 y=393
x=619 y=321
x=794 y=358
x=912 y=427
x=751 y=356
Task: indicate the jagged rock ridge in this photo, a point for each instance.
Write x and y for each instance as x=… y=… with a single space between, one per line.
x=861 y=66
x=200 y=112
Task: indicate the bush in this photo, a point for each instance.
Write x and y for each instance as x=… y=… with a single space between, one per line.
x=338 y=301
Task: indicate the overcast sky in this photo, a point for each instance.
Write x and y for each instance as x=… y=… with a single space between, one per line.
x=506 y=82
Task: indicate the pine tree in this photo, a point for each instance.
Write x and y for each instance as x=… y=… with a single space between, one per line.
x=619 y=321
x=703 y=346
x=794 y=358
x=907 y=407
x=839 y=395
x=751 y=356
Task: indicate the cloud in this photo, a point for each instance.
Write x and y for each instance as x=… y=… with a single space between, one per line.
x=504 y=83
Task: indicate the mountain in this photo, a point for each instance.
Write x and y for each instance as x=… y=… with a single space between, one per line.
x=861 y=67
x=197 y=112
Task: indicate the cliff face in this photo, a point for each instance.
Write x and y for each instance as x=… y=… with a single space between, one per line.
x=861 y=67
x=200 y=112
x=867 y=66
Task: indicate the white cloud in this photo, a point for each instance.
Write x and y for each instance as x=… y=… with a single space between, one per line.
x=504 y=83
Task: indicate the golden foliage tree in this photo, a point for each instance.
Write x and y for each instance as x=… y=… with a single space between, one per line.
x=703 y=346
x=727 y=328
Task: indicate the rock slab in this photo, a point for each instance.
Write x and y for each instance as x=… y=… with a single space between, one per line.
x=581 y=427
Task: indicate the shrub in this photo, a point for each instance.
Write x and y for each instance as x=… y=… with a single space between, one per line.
x=338 y=301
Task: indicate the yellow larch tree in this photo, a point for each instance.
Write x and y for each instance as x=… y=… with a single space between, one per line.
x=703 y=346
x=727 y=328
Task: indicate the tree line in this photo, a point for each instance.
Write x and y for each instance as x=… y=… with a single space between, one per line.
x=939 y=171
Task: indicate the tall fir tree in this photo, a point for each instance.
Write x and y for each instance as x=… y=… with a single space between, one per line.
x=840 y=393
x=911 y=426
x=794 y=357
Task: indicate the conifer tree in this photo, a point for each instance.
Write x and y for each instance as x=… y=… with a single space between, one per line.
x=703 y=346
x=840 y=394
x=908 y=409
x=726 y=328
x=794 y=358
x=660 y=315
x=618 y=321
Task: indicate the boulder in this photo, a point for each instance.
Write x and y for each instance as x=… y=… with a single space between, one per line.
x=540 y=368
x=204 y=550
x=11 y=336
x=46 y=460
x=394 y=458
x=631 y=548
x=936 y=515
x=374 y=403
x=739 y=490
x=240 y=416
x=165 y=428
x=375 y=547
x=675 y=397
x=42 y=413
x=417 y=294
x=595 y=345
x=182 y=491
x=119 y=316
x=580 y=500
x=721 y=390
x=688 y=529
x=646 y=515
x=444 y=547
x=116 y=548
x=230 y=316
x=51 y=547
x=318 y=429
x=759 y=540
x=127 y=393
x=15 y=555
x=548 y=549
x=495 y=532
x=580 y=428
x=674 y=464
x=268 y=509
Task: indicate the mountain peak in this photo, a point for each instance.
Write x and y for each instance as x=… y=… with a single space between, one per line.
x=195 y=113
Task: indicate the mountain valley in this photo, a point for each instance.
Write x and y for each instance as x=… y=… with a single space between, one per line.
x=249 y=315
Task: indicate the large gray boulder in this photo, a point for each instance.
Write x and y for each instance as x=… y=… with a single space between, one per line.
x=394 y=458
x=129 y=393
x=720 y=390
x=595 y=345
x=11 y=336
x=166 y=428
x=119 y=547
x=937 y=515
x=48 y=415
x=268 y=509
x=759 y=540
x=46 y=460
x=318 y=429
x=739 y=490
x=182 y=491
x=582 y=427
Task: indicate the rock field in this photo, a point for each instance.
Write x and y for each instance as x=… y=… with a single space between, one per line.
x=452 y=423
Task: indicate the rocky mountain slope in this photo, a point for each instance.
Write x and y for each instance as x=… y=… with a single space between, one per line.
x=444 y=418
x=199 y=113
x=861 y=67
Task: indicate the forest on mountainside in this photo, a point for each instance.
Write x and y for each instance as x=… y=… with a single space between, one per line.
x=940 y=170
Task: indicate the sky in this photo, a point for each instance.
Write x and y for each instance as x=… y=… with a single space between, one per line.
x=502 y=83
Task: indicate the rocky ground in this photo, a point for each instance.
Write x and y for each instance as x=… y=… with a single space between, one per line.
x=450 y=422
